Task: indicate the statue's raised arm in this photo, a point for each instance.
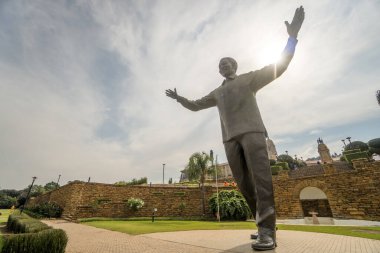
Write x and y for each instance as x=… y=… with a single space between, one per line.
x=296 y=24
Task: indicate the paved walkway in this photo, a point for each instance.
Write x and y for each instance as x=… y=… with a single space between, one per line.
x=86 y=239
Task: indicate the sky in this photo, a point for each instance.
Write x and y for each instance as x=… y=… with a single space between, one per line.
x=82 y=83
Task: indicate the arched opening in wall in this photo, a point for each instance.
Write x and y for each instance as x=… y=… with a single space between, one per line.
x=315 y=200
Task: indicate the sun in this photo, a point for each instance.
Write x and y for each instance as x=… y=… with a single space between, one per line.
x=270 y=53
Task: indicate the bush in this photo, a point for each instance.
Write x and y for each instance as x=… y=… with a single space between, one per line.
x=135 y=204
x=50 y=210
x=232 y=205
x=283 y=165
x=47 y=241
x=357 y=155
x=357 y=145
x=6 y=201
x=272 y=162
x=24 y=224
x=275 y=169
x=374 y=146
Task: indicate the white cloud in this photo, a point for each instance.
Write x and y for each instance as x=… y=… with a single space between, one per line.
x=68 y=70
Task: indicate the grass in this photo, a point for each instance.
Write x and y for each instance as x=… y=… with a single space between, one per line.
x=3 y=221
x=136 y=227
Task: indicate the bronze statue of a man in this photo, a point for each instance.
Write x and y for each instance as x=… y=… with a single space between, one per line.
x=244 y=132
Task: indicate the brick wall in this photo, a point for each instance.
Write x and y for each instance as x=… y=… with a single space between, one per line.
x=352 y=194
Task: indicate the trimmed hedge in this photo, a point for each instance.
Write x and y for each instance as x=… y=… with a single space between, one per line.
x=24 y=224
x=284 y=165
x=32 y=236
x=46 y=241
x=357 y=155
x=275 y=169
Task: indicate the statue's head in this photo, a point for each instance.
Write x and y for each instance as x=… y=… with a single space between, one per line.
x=227 y=66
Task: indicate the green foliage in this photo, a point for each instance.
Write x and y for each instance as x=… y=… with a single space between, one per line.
x=374 y=146
x=135 y=204
x=47 y=241
x=232 y=205
x=357 y=145
x=24 y=224
x=50 y=210
x=7 y=201
x=357 y=155
x=198 y=166
x=10 y=192
x=143 y=180
x=51 y=186
x=286 y=158
x=283 y=165
x=275 y=169
x=272 y=162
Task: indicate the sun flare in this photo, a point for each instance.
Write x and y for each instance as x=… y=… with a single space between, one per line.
x=270 y=53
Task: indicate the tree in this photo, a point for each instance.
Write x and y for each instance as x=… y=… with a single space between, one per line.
x=36 y=190
x=357 y=145
x=7 y=201
x=51 y=186
x=199 y=167
x=374 y=145
x=286 y=158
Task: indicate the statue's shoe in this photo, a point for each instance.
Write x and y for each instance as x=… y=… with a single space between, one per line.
x=264 y=242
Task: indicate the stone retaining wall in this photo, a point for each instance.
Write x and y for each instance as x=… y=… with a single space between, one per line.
x=352 y=194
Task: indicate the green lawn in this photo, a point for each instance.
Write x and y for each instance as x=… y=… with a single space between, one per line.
x=136 y=227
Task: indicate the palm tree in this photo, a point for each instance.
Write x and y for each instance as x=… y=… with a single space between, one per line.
x=198 y=167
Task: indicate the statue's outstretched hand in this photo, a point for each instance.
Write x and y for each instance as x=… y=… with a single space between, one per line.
x=172 y=94
x=297 y=21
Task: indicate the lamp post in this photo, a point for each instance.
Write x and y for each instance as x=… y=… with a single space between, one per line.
x=27 y=195
x=344 y=143
x=163 y=173
x=286 y=152
x=349 y=139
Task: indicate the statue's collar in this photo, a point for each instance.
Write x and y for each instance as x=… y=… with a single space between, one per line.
x=228 y=78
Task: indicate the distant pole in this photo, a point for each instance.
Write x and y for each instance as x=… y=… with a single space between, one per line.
x=89 y=178
x=344 y=143
x=59 y=177
x=349 y=139
x=217 y=188
x=163 y=173
x=27 y=195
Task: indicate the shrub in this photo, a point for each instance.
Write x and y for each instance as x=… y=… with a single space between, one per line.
x=283 y=165
x=356 y=145
x=275 y=169
x=47 y=241
x=357 y=155
x=50 y=210
x=374 y=146
x=135 y=204
x=232 y=205
x=24 y=224
x=272 y=162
